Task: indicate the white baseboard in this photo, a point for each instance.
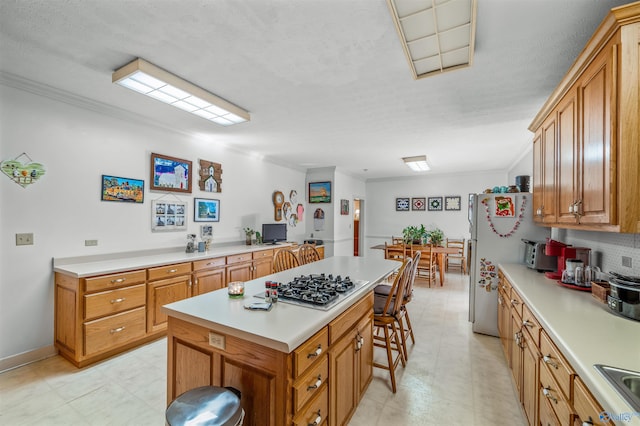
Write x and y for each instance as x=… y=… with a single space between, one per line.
x=28 y=357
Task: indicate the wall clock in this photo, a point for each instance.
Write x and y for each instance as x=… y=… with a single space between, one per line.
x=278 y=201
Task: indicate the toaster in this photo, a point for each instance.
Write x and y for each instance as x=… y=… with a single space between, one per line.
x=535 y=257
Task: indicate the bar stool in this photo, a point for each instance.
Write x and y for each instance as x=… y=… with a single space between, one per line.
x=206 y=406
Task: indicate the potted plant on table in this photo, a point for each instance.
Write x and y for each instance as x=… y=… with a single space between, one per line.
x=414 y=234
x=436 y=236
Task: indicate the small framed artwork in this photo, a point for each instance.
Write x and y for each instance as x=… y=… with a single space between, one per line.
x=168 y=215
x=319 y=192
x=206 y=210
x=452 y=203
x=128 y=190
x=344 y=207
x=504 y=207
x=402 y=204
x=418 y=203
x=434 y=204
x=210 y=176
x=170 y=174
x=206 y=232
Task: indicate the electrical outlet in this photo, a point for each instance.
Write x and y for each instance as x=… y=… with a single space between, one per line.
x=626 y=261
x=216 y=340
x=24 y=239
x=90 y=242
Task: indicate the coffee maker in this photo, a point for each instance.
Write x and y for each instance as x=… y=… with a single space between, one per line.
x=565 y=252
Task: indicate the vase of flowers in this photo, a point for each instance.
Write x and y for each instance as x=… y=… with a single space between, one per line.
x=248 y=232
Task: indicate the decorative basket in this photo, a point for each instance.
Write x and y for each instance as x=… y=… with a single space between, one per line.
x=600 y=290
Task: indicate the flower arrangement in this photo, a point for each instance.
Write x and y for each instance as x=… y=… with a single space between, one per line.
x=248 y=232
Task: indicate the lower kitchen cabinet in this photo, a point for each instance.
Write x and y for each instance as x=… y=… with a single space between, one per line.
x=550 y=391
x=208 y=275
x=166 y=284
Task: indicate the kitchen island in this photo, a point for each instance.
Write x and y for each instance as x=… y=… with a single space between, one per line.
x=293 y=364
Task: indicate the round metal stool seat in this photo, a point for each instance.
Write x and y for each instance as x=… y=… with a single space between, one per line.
x=206 y=406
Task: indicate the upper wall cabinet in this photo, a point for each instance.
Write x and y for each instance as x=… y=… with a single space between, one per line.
x=587 y=136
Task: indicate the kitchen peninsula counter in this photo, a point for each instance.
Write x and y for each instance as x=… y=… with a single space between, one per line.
x=290 y=363
x=585 y=331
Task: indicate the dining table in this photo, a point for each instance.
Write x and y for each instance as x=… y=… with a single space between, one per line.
x=440 y=252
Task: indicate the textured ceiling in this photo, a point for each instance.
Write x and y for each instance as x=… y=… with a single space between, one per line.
x=326 y=81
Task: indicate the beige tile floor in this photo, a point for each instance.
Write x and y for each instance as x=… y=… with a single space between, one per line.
x=453 y=377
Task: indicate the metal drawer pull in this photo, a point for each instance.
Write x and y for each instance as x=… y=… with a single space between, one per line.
x=121 y=299
x=588 y=422
x=526 y=323
x=117 y=330
x=316 y=353
x=317 y=421
x=119 y=280
x=547 y=392
x=171 y=271
x=317 y=384
x=547 y=360
x=514 y=302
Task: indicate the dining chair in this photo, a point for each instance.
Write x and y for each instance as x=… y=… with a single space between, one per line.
x=284 y=259
x=404 y=322
x=457 y=260
x=385 y=313
x=307 y=253
x=395 y=251
x=426 y=268
x=397 y=240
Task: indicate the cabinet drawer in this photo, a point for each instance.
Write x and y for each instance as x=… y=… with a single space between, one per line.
x=113 y=301
x=586 y=407
x=168 y=271
x=262 y=254
x=316 y=412
x=557 y=365
x=208 y=263
x=550 y=391
x=107 y=282
x=237 y=258
x=311 y=350
x=516 y=302
x=308 y=385
x=347 y=320
x=531 y=324
x=113 y=331
x=547 y=416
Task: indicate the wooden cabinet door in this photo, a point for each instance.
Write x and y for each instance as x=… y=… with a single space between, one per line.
x=239 y=272
x=530 y=379
x=365 y=355
x=262 y=267
x=537 y=177
x=504 y=324
x=595 y=150
x=549 y=200
x=208 y=280
x=567 y=158
x=160 y=293
x=516 y=353
x=343 y=374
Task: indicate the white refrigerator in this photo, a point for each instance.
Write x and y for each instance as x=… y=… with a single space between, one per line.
x=498 y=223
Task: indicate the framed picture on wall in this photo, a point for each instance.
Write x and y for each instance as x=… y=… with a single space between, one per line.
x=168 y=215
x=434 y=204
x=402 y=204
x=319 y=192
x=452 y=203
x=205 y=210
x=344 y=207
x=116 y=188
x=170 y=174
x=418 y=203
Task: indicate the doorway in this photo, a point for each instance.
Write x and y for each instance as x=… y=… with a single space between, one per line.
x=358 y=205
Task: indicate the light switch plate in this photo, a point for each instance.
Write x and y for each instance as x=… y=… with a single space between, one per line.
x=626 y=261
x=216 y=340
x=90 y=242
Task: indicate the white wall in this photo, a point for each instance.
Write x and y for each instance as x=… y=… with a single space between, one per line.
x=383 y=221
x=63 y=208
x=524 y=166
x=347 y=188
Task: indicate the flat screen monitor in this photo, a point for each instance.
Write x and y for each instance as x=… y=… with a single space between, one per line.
x=274 y=232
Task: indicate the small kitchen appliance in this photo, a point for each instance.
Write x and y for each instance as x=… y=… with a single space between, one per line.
x=624 y=297
x=536 y=258
x=565 y=252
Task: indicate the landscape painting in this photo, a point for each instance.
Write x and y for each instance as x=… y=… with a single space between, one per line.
x=122 y=189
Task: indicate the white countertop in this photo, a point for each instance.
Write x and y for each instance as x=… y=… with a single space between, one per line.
x=85 y=266
x=285 y=326
x=585 y=330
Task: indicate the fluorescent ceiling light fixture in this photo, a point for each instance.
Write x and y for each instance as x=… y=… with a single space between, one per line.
x=150 y=80
x=436 y=35
x=417 y=164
